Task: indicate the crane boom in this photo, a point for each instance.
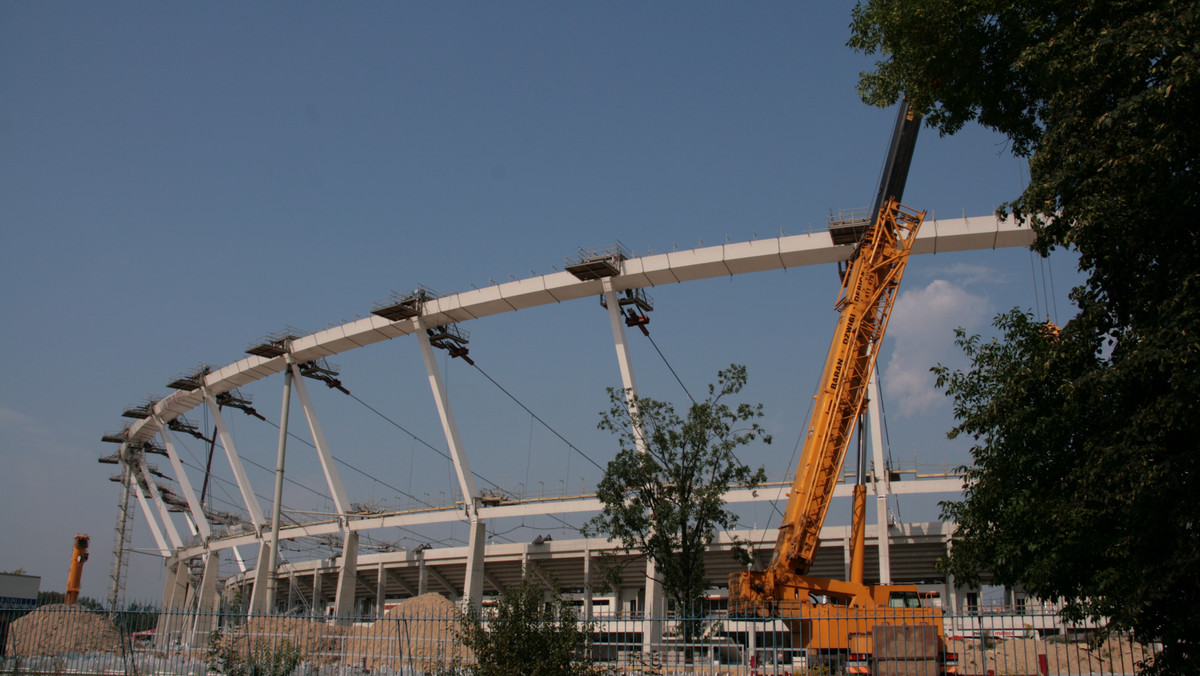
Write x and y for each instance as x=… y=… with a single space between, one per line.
x=847 y=620
x=865 y=304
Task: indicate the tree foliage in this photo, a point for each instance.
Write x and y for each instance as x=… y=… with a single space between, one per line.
x=668 y=501
x=1085 y=462
x=526 y=636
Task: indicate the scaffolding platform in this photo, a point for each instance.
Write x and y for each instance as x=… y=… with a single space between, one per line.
x=849 y=226
x=597 y=263
x=273 y=345
x=397 y=307
x=141 y=411
x=191 y=380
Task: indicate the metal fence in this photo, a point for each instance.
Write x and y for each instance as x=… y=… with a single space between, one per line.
x=75 y=640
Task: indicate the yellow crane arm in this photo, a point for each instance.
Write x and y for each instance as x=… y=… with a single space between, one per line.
x=865 y=303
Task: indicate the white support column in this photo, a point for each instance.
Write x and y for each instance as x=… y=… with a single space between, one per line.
x=422 y=575
x=332 y=478
x=208 y=583
x=171 y=621
x=205 y=620
x=185 y=485
x=651 y=630
x=277 y=500
x=316 y=609
x=170 y=589
x=587 y=581
x=152 y=488
x=262 y=581
x=343 y=603
x=623 y=360
x=881 y=479
x=466 y=481
x=150 y=518
x=235 y=463
x=473 y=585
x=380 y=590
x=291 y=595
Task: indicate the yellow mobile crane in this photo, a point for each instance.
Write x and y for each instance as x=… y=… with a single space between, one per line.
x=846 y=623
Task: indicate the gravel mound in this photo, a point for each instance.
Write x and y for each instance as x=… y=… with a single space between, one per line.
x=58 y=629
x=419 y=633
x=316 y=640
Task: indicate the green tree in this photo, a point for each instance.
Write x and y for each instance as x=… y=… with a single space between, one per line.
x=1085 y=457
x=46 y=598
x=526 y=636
x=668 y=502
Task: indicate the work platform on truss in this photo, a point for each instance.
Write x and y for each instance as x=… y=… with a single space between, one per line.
x=597 y=263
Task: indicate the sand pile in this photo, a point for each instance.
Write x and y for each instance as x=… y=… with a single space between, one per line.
x=420 y=632
x=1020 y=656
x=58 y=629
x=316 y=640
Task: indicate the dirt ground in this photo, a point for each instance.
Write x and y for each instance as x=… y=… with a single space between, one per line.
x=1020 y=656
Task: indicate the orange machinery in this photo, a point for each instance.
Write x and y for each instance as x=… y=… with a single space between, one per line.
x=79 y=554
x=849 y=624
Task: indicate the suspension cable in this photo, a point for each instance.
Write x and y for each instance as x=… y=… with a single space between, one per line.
x=671 y=369
x=417 y=438
x=377 y=480
x=536 y=417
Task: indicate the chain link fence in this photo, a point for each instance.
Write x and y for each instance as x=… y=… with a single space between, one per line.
x=416 y=638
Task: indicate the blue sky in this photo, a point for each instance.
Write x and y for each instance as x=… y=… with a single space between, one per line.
x=178 y=180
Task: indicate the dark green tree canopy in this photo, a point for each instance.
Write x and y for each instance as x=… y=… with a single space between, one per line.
x=668 y=502
x=1100 y=96
x=1086 y=455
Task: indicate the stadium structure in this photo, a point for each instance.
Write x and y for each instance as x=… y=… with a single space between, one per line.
x=192 y=538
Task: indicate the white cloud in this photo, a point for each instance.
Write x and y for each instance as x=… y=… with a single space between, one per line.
x=922 y=328
x=970 y=274
x=12 y=420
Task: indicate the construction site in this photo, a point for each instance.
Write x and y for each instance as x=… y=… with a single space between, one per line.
x=856 y=597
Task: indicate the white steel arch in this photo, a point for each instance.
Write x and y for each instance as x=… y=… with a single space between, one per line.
x=960 y=234
x=634 y=273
